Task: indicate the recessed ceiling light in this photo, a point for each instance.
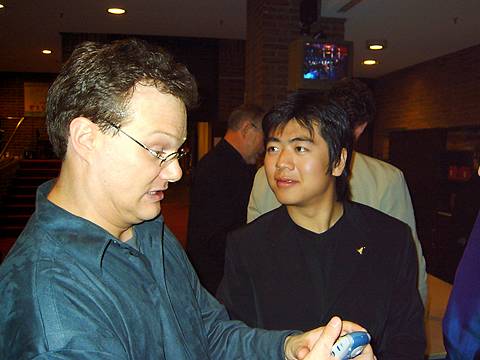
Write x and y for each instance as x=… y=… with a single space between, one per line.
x=376 y=44
x=2 y=6
x=46 y=51
x=369 y=62
x=116 y=11
x=375 y=47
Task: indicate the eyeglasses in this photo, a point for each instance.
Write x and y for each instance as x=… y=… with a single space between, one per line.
x=177 y=155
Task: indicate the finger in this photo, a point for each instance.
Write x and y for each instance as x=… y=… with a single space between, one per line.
x=330 y=334
x=302 y=352
x=348 y=327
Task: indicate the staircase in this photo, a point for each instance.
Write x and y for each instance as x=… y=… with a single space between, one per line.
x=20 y=201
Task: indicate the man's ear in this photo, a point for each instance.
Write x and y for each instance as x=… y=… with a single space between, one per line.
x=83 y=136
x=245 y=127
x=358 y=130
x=340 y=165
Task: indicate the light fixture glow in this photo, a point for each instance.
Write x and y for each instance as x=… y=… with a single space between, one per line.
x=369 y=62
x=376 y=44
x=375 y=47
x=2 y=6
x=46 y=51
x=116 y=11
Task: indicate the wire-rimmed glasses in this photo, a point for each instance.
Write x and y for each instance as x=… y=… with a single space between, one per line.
x=177 y=155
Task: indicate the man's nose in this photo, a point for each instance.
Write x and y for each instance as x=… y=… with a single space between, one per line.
x=171 y=171
x=284 y=159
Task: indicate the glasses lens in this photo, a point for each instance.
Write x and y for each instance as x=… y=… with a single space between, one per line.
x=173 y=156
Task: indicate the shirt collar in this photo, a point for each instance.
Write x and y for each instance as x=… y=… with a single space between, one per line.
x=84 y=239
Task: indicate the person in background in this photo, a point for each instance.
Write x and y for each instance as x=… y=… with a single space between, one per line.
x=461 y=323
x=221 y=185
x=319 y=255
x=96 y=273
x=372 y=182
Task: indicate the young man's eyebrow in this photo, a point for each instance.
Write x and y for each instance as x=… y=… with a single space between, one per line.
x=295 y=139
x=301 y=138
x=272 y=138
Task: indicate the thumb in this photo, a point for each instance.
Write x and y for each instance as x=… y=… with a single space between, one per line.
x=332 y=331
x=323 y=346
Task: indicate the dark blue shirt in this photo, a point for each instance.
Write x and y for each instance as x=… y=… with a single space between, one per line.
x=70 y=290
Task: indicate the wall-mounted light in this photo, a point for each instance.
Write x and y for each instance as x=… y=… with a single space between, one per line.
x=116 y=11
x=376 y=44
x=46 y=51
x=369 y=62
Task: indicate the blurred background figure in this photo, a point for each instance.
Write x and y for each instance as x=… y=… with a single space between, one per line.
x=461 y=324
x=219 y=193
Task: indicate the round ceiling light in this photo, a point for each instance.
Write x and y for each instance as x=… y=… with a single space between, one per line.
x=116 y=11
x=376 y=44
x=369 y=62
x=46 y=51
x=375 y=47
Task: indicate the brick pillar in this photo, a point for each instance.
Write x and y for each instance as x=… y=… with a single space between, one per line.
x=271 y=26
x=231 y=80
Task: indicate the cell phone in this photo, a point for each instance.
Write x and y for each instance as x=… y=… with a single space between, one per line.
x=350 y=345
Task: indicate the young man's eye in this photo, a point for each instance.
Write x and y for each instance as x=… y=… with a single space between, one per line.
x=301 y=149
x=271 y=149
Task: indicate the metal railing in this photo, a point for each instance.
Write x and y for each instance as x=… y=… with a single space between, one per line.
x=13 y=134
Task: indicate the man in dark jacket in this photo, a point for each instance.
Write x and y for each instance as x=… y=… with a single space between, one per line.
x=219 y=192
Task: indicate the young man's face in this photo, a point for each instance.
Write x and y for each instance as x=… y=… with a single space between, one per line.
x=296 y=164
x=129 y=180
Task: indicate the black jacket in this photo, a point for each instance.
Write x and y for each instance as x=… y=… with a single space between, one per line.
x=219 y=194
x=376 y=288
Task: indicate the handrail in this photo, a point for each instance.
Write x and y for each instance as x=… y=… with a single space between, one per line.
x=11 y=136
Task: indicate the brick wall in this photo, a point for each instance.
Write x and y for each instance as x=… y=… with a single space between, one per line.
x=271 y=26
x=231 y=80
x=443 y=92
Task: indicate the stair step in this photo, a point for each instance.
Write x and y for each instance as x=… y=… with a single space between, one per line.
x=26 y=209
x=40 y=172
x=52 y=164
x=30 y=190
x=14 y=219
x=29 y=180
x=19 y=204
x=21 y=199
x=12 y=231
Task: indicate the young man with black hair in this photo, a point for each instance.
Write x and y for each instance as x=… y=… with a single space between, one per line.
x=372 y=182
x=318 y=254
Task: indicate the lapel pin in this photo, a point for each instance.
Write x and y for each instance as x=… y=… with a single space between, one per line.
x=360 y=250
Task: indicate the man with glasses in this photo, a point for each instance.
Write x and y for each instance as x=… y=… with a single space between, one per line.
x=219 y=193
x=96 y=274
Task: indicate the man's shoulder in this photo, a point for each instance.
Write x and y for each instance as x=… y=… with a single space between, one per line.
x=384 y=233
x=220 y=159
x=376 y=166
x=369 y=217
x=256 y=230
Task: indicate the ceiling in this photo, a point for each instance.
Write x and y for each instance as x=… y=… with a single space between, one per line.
x=416 y=30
